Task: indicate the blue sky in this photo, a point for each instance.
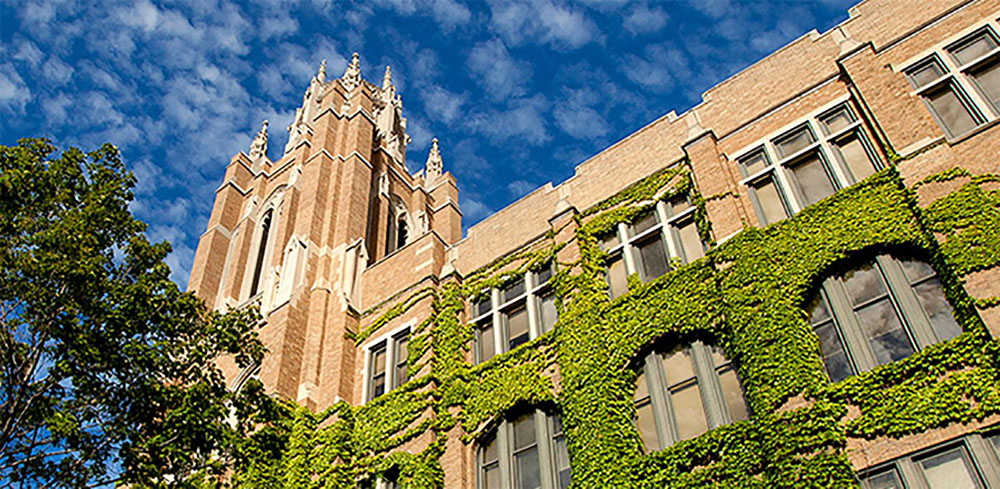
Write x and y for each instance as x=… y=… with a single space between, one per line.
x=518 y=91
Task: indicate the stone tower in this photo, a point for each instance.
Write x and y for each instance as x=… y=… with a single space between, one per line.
x=296 y=236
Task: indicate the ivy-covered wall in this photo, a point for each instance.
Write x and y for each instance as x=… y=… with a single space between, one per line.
x=746 y=296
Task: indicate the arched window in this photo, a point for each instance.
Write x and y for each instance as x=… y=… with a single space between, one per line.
x=397 y=230
x=879 y=312
x=684 y=392
x=265 y=228
x=528 y=452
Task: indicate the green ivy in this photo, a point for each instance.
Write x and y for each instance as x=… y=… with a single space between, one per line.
x=746 y=296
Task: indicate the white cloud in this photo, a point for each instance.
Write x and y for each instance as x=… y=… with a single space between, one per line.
x=497 y=71
x=141 y=14
x=642 y=19
x=55 y=109
x=580 y=122
x=651 y=71
x=519 y=21
x=447 y=13
x=28 y=52
x=519 y=188
x=522 y=119
x=14 y=94
x=57 y=71
x=441 y=104
x=473 y=211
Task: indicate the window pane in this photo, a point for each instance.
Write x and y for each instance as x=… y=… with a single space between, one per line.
x=834 y=357
x=548 y=314
x=643 y=223
x=402 y=353
x=524 y=431
x=754 y=162
x=885 y=333
x=486 y=341
x=617 y=277
x=647 y=427
x=794 y=142
x=770 y=201
x=852 y=153
x=885 y=480
x=837 y=120
x=677 y=366
x=653 y=258
x=926 y=73
x=814 y=182
x=864 y=283
x=733 y=392
x=689 y=413
x=483 y=306
x=491 y=452
x=378 y=386
x=988 y=79
x=995 y=439
x=379 y=361
x=528 y=475
x=491 y=477
x=690 y=240
x=953 y=114
x=513 y=289
x=938 y=310
x=679 y=205
x=610 y=241
x=517 y=326
x=562 y=464
x=950 y=470
x=916 y=270
x=641 y=387
x=543 y=275
x=973 y=48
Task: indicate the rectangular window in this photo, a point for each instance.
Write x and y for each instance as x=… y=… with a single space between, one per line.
x=959 y=464
x=524 y=308
x=770 y=202
x=950 y=470
x=977 y=58
x=793 y=142
x=942 y=91
x=685 y=395
x=388 y=364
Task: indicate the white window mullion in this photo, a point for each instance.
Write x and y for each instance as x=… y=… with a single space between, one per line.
x=531 y=299
x=499 y=345
x=630 y=266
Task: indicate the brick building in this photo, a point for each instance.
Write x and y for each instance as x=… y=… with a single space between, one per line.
x=794 y=283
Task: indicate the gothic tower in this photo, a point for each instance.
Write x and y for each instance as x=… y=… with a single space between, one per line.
x=302 y=237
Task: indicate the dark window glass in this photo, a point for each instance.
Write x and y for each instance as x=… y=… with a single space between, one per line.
x=836 y=120
x=880 y=324
x=770 y=201
x=526 y=468
x=653 y=258
x=794 y=141
x=378 y=371
x=265 y=229
x=610 y=241
x=483 y=306
x=838 y=366
x=925 y=73
x=953 y=114
x=402 y=354
x=678 y=205
x=513 y=289
x=490 y=467
x=884 y=480
x=643 y=223
x=812 y=178
x=402 y=234
x=563 y=475
x=543 y=275
x=485 y=342
x=979 y=45
x=517 y=326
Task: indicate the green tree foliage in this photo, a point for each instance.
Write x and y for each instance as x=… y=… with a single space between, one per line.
x=107 y=369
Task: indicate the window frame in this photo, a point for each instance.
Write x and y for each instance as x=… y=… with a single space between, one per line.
x=667 y=228
x=497 y=315
x=389 y=342
x=707 y=381
x=778 y=168
x=503 y=435
x=959 y=78
x=909 y=310
x=984 y=460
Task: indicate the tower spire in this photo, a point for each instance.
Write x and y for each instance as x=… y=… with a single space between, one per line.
x=387 y=79
x=321 y=75
x=352 y=75
x=258 y=148
x=432 y=169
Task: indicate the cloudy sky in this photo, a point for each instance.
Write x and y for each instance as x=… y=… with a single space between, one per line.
x=518 y=91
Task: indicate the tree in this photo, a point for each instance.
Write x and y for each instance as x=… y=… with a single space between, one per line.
x=108 y=370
